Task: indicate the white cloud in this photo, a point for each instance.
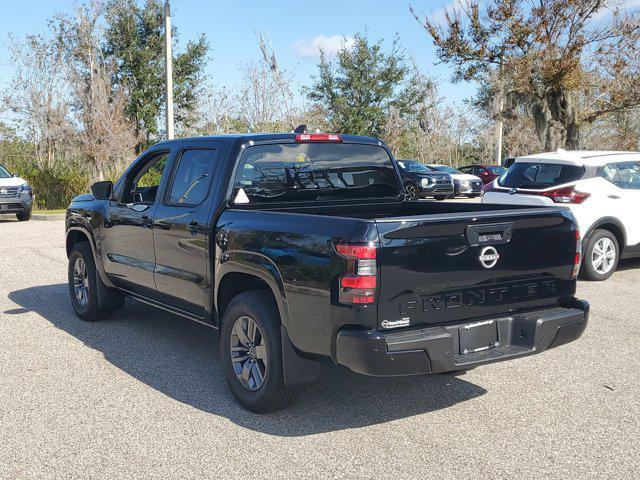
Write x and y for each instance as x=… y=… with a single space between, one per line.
x=438 y=16
x=329 y=44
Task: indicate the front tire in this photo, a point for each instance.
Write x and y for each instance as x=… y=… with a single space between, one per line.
x=251 y=351
x=440 y=197
x=83 y=287
x=601 y=256
x=24 y=216
x=411 y=191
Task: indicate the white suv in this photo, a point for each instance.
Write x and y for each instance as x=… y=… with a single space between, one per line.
x=602 y=189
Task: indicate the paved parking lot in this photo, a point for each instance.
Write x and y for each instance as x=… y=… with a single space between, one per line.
x=142 y=396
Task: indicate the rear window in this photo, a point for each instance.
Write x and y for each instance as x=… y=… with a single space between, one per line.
x=540 y=175
x=302 y=172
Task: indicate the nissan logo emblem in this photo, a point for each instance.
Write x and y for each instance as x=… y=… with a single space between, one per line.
x=489 y=257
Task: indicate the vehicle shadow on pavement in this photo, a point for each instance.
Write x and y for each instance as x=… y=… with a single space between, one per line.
x=180 y=359
x=629 y=264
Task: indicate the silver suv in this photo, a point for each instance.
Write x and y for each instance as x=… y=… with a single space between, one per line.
x=16 y=196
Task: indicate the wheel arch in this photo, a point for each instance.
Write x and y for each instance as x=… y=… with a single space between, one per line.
x=234 y=278
x=614 y=226
x=78 y=234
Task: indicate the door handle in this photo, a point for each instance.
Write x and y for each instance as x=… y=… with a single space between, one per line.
x=614 y=196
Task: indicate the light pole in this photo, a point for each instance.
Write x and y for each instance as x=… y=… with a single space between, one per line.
x=168 y=59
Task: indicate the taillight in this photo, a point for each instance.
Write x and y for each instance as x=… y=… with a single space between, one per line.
x=358 y=285
x=566 y=195
x=318 y=137
x=578 y=256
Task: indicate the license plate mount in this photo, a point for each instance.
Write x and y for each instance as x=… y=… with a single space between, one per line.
x=478 y=336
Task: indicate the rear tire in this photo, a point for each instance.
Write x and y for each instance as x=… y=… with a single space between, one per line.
x=23 y=217
x=601 y=256
x=83 y=287
x=253 y=364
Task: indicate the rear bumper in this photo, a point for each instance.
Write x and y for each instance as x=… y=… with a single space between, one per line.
x=437 y=349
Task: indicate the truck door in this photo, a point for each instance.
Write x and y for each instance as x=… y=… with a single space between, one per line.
x=182 y=228
x=127 y=237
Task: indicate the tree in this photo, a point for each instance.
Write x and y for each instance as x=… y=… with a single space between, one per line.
x=106 y=137
x=568 y=68
x=38 y=97
x=359 y=88
x=135 y=39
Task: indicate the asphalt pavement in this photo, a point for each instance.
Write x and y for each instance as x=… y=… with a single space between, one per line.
x=142 y=395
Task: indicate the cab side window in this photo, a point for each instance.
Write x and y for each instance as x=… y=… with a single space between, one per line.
x=623 y=174
x=192 y=179
x=142 y=184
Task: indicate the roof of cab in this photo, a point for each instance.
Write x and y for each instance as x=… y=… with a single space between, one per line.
x=267 y=138
x=580 y=157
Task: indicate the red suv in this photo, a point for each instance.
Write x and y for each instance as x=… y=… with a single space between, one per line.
x=488 y=173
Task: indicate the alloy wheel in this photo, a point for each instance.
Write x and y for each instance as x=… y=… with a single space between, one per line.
x=410 y=192
x=248 y=353
x=81 y=282
x=603 y=256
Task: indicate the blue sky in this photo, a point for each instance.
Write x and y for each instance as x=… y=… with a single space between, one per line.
x=294 y=27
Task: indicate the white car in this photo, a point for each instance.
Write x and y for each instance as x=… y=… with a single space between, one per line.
x=602 y=189
x=463 y=183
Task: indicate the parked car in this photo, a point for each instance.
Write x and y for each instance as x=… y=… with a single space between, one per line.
x=602 y=190
x=16 y=196
x=486 y=173
x=421 y=182
x=300 y=249
x=463 y=183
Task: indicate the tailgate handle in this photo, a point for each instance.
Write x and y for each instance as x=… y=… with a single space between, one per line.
x=489 y=234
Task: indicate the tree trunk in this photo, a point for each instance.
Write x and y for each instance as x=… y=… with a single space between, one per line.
x=555 y=120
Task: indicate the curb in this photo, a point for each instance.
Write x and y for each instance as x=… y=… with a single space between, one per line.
x=48 y=217
x=40 y=217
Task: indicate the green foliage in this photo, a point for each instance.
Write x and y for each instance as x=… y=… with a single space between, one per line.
x=359 y=88
x=135 y=39
x=53 y=187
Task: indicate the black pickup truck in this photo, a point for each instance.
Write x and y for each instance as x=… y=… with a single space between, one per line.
x=301 y=250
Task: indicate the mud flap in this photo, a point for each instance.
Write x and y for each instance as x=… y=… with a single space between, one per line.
x=108 y=298
x=298 y=370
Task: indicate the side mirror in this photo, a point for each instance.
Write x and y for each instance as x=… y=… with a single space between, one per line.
x=102 y=190
x=16 y=175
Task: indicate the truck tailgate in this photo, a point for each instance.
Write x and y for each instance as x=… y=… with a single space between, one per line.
x=443 y=268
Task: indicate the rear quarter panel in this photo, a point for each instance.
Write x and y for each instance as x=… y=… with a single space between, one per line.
x=295 y=251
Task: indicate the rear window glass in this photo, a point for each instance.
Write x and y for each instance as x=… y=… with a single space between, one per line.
x=539 y=175
x=302 y=172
